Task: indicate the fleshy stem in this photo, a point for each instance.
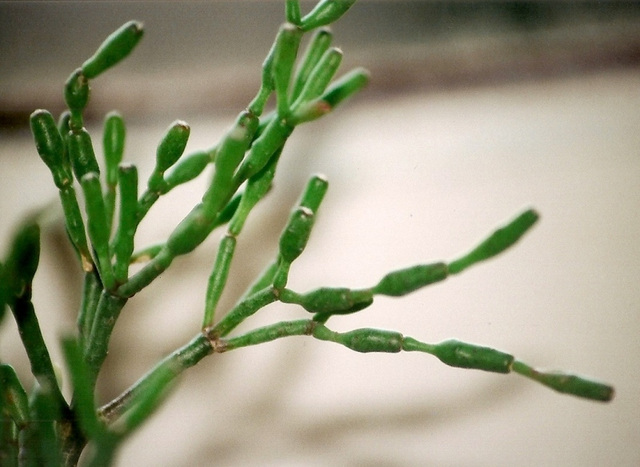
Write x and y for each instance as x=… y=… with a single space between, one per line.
x=451 y=352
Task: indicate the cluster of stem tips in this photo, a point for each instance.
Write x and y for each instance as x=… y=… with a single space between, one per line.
x=46 y=429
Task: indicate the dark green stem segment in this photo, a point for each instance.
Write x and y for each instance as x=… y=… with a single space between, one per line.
x=19 y=270
x=83 y=399
x=464 y=355
x=50 y=147
x=42 y=440
x=14 y=397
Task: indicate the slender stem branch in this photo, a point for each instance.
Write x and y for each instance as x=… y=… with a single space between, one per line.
x=91 y=290
x=96 y=347
x=181 y=359
x=242 y=311
x=37 y=352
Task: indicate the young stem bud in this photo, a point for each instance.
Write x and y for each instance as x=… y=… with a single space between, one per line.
x=314 y=192
x=320 y=43
x=337 y=92
x=567 y=383
x=187 y=169
x=115 y=48
x=296 y=234
x=292 y=11
x=169 y=151
x=81 y=153
x=76 y=91
x=319 y=78
x=325 y=12
x=124 y=240
x=231 y=151
x=97 y=225
x=50 y=146
x=22 y=263
x=113 y=144
x=263 y=148
x=284 y=57
x=497 y=242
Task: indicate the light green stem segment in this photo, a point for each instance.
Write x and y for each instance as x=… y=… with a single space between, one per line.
x=230 y=152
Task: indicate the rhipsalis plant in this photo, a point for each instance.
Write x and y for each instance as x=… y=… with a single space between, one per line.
x=43 y=428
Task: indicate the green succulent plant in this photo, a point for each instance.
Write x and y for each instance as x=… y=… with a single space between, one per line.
x=42 y=427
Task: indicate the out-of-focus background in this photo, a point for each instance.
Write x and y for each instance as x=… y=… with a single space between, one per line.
x=475 y=111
